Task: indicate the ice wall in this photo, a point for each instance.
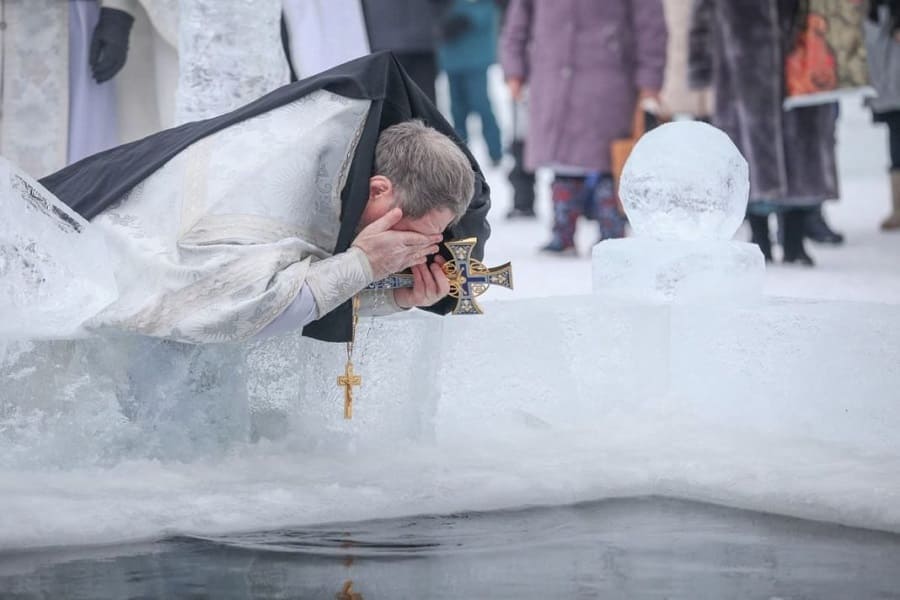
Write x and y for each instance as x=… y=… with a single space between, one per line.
x=679 y=373
x=101 y=401
x=54 y=271
x=787 y=407
x=293 y=385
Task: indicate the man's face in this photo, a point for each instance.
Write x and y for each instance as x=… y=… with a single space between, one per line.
x=433 y=222
x=381 y=200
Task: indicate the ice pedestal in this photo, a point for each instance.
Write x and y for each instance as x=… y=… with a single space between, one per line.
x=55 y=271
x=685 y=189
x=647 y=270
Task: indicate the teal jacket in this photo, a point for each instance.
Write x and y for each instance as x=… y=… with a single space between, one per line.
x=476 y=46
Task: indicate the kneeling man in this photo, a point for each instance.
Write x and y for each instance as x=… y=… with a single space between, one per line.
x=274 y=216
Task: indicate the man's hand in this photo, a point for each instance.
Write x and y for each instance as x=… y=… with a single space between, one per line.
x=429 y=285
x=515 y=88
x=650 y=101
x=391 y=251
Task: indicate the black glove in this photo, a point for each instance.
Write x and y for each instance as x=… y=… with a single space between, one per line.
x=454 y=26
x=109 y=45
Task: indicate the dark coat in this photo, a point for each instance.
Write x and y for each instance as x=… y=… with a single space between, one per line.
x=584 y=62
x=403 y=25
x=739 y=46
x=97 y=182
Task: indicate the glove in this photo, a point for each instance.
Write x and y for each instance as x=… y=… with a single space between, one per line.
x=454 y=26
x=109 y=44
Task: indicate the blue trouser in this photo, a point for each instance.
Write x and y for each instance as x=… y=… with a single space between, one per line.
x=469 y=94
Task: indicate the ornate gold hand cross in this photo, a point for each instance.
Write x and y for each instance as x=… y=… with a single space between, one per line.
x=469 y=278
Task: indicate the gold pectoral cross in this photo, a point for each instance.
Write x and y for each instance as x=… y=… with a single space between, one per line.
x=349 y=378
x=347 y=381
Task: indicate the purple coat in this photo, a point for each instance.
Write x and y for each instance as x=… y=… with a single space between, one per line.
x=583 y=62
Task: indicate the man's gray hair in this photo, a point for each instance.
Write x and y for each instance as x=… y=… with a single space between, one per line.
x=428 y=170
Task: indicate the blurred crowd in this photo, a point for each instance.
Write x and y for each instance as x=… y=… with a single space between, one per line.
x=586 y=78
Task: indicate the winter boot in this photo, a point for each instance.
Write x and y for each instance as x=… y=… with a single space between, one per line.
x=759 y=229
x=892 y=223
x=818 y=230
x=779 y=234
x=522 y=182
x=565 y=193
x=794 y=231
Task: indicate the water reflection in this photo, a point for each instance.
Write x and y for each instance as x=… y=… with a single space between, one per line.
x=638 y=548
x=347 y=592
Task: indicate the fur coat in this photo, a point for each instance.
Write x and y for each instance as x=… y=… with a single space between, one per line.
x=739 y=47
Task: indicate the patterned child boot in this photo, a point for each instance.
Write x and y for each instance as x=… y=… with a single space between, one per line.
x=607 y=211
x=565 y=192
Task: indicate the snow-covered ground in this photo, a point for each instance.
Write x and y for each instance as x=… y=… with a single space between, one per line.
x=865 y=268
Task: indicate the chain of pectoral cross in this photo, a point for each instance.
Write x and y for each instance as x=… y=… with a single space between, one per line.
x=349 y=378
x=469 y=278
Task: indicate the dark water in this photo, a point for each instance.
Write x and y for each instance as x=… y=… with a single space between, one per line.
x=635 y=549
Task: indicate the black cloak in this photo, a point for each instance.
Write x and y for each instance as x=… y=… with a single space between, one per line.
x=95 y=183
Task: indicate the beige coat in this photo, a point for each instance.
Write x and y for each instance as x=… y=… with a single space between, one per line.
x=146 y=85
x=677 y=97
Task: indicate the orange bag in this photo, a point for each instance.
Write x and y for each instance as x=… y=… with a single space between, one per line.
x=620 y=149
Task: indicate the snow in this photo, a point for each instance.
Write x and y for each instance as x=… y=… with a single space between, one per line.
x=553 y=396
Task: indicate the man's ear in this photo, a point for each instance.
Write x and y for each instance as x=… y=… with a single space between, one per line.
x=380 y=187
